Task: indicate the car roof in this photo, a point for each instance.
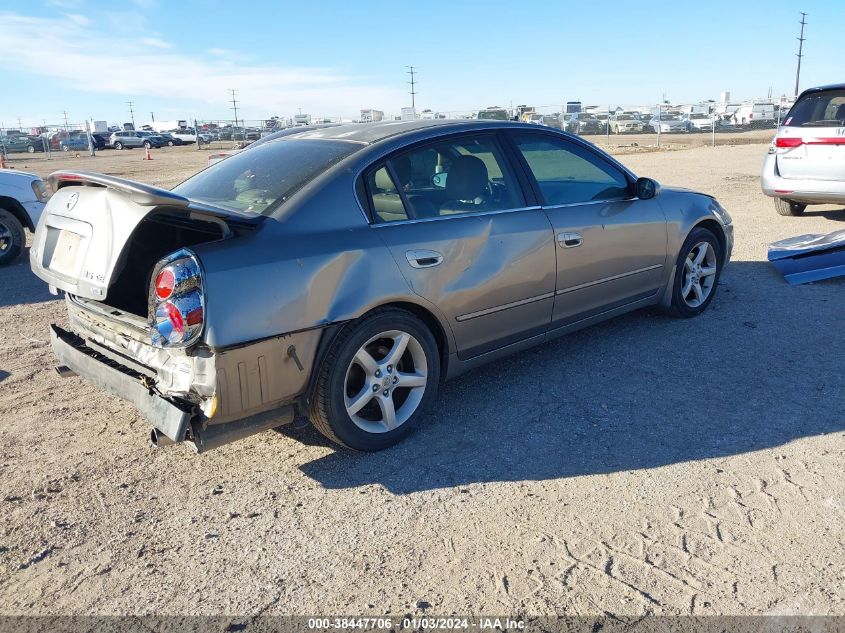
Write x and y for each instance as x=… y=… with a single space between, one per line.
x=370 y=133
x=822 y=89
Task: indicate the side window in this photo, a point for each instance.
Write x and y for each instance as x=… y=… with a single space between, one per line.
x=387 y=204
x=464 y=174
x=568 y=174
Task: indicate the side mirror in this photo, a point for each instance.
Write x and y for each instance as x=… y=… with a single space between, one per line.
x=646 y=188
x=439 y=180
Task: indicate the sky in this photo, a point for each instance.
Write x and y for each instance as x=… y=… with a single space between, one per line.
x=179 y=58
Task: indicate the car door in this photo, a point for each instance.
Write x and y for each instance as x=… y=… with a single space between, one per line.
x=611 y=246
x=455 y=219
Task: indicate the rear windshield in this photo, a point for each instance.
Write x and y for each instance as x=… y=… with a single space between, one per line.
x=260 y=179
x=818 y=109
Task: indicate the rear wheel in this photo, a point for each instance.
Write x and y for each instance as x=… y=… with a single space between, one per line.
x=376 y=381
x=12 y=238
x=65 y=148
x=697 y=274
x=787 y=207
x=30 y=149
x=170 y=143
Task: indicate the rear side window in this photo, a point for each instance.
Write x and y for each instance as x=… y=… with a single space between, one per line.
x=568 y=174
x=260 y=179
x=818 y=109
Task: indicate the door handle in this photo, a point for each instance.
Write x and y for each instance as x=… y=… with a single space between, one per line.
x=570 y=240
x=423 y=258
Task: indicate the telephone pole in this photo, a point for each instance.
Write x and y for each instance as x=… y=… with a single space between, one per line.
x=131 y=113
x=234 y=104
x=64 y=112
x=412 y=71
x=800 y=52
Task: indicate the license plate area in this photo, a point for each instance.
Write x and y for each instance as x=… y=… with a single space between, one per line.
x=65 y=257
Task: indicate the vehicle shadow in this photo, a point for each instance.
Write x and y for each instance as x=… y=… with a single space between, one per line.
x=19 y=285
x=4 y=375
x=835 y=214
x=641 y=391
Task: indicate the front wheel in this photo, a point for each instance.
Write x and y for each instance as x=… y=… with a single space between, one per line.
x=12 y=238
x=170 y=143
x=118 y=145
x=697 y=274
x=787 y=207
x=30 y=149
x=378 y=378
x=147 y=145
x=65 y=148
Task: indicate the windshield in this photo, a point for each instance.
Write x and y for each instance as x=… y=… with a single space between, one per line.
x=260 y=179
x=699 y=116
x=818 y=109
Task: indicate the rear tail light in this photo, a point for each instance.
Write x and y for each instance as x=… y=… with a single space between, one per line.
x=787 y=141
x=177 y=301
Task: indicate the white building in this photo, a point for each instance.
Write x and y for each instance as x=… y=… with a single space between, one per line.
x=371 y=116
x=409 y=114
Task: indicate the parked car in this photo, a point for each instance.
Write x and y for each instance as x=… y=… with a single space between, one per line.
x=170 y=140
x=20 y=143
x=493 y=113
x=756 y=115
x=804 y=164
x=151 y=139
x=22 y=199
x=101 y=141
x=186 y=135
x=340 y=273
x=584 y=123
x=668 y=123
x=701 y=122
x=79 y=142
x=625 y=122
x=125 y=139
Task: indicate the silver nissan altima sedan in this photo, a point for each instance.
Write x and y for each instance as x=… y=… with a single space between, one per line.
x=341 y=274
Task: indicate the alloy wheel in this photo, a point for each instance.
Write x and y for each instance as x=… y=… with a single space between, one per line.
x=5 y=238
x=385 y=381
x=699 y=274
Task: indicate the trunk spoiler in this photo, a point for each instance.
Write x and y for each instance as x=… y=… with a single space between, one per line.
x=143 y=194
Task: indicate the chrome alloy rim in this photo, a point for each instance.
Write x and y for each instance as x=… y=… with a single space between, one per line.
x=699 y=274
x=5 y=238
x=385 y=381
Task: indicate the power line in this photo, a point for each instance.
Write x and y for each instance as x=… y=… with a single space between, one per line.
x=413 y=83
x=234 y=104
x=131 y=112
x=801 y=39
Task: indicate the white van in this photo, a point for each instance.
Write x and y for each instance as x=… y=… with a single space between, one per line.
x=756 y=115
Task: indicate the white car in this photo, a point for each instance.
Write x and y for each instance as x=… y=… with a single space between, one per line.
x=186 y=135
x=701 y=122
x=806 y=160
x=22 y=199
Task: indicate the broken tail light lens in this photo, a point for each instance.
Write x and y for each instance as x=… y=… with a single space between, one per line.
x=177 y=301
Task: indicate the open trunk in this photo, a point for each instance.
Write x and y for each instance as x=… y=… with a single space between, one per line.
x=100 y=237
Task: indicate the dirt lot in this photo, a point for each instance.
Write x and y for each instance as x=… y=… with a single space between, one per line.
x=647 y=465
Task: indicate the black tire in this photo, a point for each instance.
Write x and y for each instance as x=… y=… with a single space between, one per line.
x=328 y=411
x=65 y=148
x=147 y=145
x=12 y=245
x=679 y=307
x=787 y=207
x=30 y=149
x=170 y=143
x=118 y=145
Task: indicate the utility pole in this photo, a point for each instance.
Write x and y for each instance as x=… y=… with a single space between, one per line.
x=153 y=116
x=412 y=71
x=20 y=125
x=131 y=113
x=64 y=112
x=800 y=52
x=234 y=105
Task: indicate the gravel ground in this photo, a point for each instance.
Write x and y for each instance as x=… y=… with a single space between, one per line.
x=646 y=465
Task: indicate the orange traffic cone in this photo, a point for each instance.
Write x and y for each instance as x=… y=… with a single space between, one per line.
x=149 y=156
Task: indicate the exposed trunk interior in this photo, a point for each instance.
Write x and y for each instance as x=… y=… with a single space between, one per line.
x=159 y=234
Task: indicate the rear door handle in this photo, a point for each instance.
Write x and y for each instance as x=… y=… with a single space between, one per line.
x=570 y=240
x=424 y=258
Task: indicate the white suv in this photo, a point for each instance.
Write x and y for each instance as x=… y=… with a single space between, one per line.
x=22 y=199
x=806 y=160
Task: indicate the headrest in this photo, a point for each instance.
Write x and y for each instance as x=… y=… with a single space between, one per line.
x=467 y=178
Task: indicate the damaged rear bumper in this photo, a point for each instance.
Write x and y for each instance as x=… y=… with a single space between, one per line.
x=107 y=374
